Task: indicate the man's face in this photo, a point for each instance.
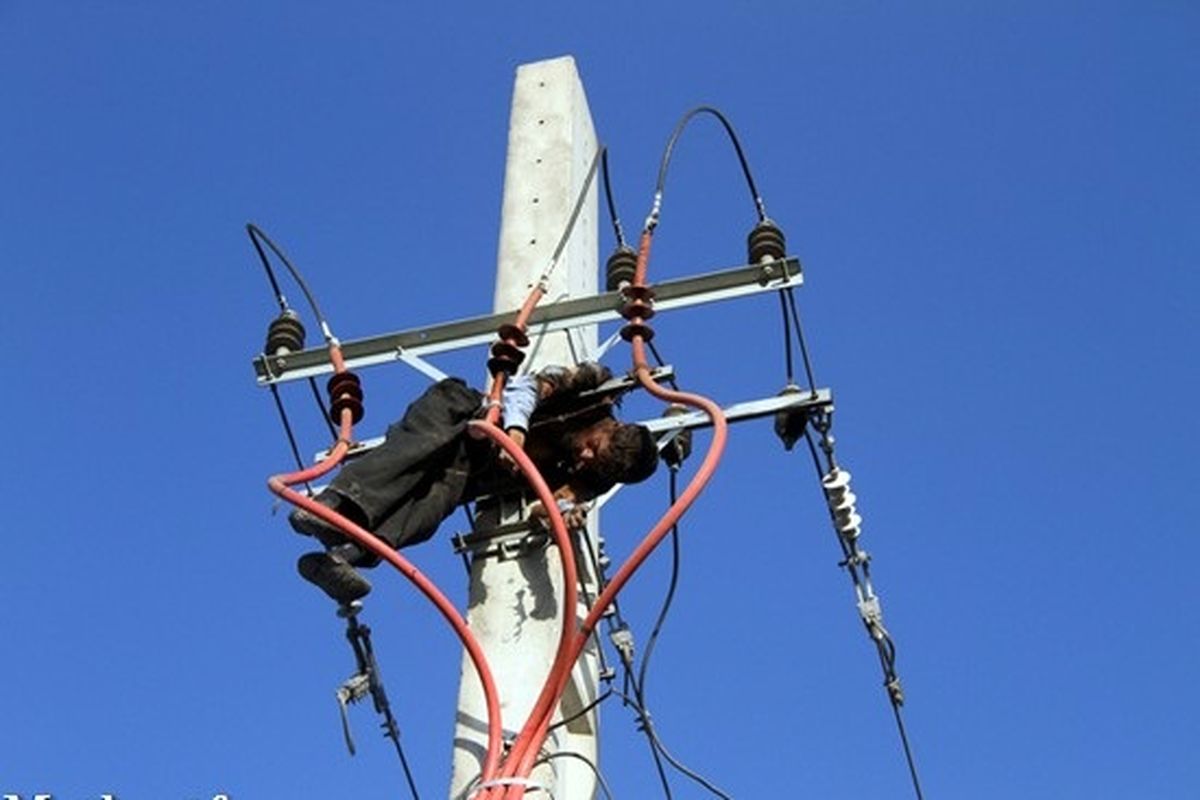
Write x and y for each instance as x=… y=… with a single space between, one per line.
x=590 y=445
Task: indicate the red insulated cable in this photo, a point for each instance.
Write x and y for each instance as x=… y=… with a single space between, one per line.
x=493 y=412
x=643 y=259
x=278 y=484
x=535 y=296
x=548 y=697
x=524 y=752
x=697 y=484
x=636 y=559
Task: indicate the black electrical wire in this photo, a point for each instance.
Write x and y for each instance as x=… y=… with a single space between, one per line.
x=638 y=700
x=647 y=727
x=618 y=232
x=666 y=606
x=886 y=650
x=614 y=623
x=333 y=434
x=787 y=340
x=627 y=663
x=759 y=206
x=912 y=767
x=808 y=370
x=291 y=437
x=674 y=762
x=657 y=750
x=257 y=237
x=812 y=448
x=640 y=684
x=412 y=784
x=661 y=363
x=594 y=558
x=279 y=298
x=256 y=233
x=580 y=756
x=581 y=712
x=586 y=542
x=698 y=778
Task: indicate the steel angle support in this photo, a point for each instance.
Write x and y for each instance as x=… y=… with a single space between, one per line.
x=751 y=409
x=416 y=342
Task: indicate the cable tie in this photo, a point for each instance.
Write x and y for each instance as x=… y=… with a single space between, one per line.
x=526 y=782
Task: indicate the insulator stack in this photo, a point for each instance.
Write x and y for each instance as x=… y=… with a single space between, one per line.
x=506 y=353
x=841 y=502
x=790 y=422
x=680 y=447
x=766 y=243
x=285 y=334
x=620 y=268
x=639 y=307
x=345 y=391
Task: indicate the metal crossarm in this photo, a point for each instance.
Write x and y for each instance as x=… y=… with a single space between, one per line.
x=679 y=293
x=751 y=409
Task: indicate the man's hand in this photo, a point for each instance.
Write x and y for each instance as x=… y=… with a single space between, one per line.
x=574 y=514
x=507 y=461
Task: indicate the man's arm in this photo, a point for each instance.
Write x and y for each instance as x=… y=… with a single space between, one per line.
x=523 y=393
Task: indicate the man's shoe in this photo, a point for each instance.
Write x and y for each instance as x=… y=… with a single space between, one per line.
x=307 y=523
x=335 y=577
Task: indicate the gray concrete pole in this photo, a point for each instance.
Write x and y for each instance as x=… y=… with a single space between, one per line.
x=516 y=599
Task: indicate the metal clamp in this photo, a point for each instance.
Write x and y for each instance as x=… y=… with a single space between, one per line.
x=505 y=542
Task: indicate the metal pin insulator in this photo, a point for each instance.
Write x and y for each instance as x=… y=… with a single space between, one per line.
x=766 y=243
x=790 y=422
x=620 y=268
x=285 y=334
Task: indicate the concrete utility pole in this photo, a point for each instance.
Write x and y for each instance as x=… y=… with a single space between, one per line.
x=515 y=598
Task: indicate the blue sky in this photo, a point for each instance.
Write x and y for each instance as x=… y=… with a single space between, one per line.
x=996 y=209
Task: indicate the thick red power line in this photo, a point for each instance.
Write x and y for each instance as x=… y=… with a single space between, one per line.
x=523 y=754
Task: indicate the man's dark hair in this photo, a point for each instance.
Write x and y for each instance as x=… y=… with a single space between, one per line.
x=631 y=456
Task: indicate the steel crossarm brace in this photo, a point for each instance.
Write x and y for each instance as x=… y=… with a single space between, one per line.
x=751 y=409
x=679 y=293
